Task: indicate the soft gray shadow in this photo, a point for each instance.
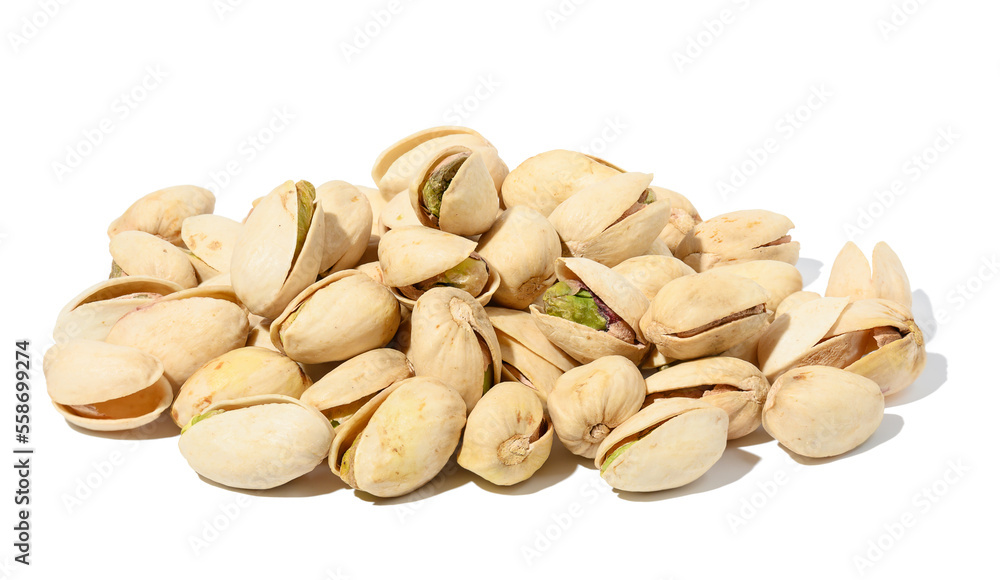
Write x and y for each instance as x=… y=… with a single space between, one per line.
x=162 y=428
x=319 y=481
x=734 y=464
x=758 y=437
x=810 y=270
x=923 y=315
x=560 y=465
x=452 y=476
x=890 y=427
x=935 y=374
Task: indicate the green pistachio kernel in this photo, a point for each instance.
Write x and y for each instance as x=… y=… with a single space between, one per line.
x=611 y=458
x=578 y=307
x=116 y=271
x=198 y=418
x=470 y=275
x=438 y=183
x=649 y=197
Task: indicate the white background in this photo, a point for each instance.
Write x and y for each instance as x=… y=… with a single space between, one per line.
x=686 y=90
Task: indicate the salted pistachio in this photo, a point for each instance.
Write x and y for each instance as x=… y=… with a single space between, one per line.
x=341 y=316
x=280 y=249
x=377 y=203
x=162 y=213
x=348 y=227
x=793 y=300
x=747 y=349
x=507 y=436
x=344 y=390
x=819 y=411
x=400 y=439
x=136 y=253
x=260 y=333
x=211 y=238
x=452 y=340
x=592 y=399
x=397 y=213
x=851 y=276
x=527 y=356
x=664 y=446
x=739 y=236
x=649 y=273
x=184 y=330
x=544 y=181
x=243 y=372
x=202 y=271
x=92 y=313
x=257 y=442
x=612 y=220
x=683 y=217
x=592 y=312
x=454 y=192
x=656 y=360
x=780 y=279
x=105 y=387
x=521 y=247
x=733 y=385
x=417 y=259
x=704 y=314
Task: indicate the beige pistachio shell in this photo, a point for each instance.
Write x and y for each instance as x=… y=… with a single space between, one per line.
x=733 y=385
x=105 y=387
x=397 y=213
x=651 y=272
x=141 y=254
x=747 y=350
x=377 y=203
x=348 y=225
x=400 y=439
x=341 y=316
x=852 y=277
x=202 y=271
x=163 y=212
x=507 y=436
x=693 y=316
x=342 y=391
x=795 y=332
x=738 y=236
x=548 y=179
x=257 y=442
x=220 y=280
x=449 y=332
x=470 y=203
x=260 y=333
x=528 y=357
x=658 y=248
x=683 y=217
x=780 y=279
x=266 y=272
x=92 y=313
x=673 y=443
x=239 y=373
x=212 y=239
x=521 y=247
x=794 y=300
x=591 y=400
x=819 y=411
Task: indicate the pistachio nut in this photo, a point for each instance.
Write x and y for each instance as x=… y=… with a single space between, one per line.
x=260 y=333
x=136 y=253
x=341 y=316
x=819 y=411
x=592 y=399
x=548 y=179
x=202 y=271
x=243 y=372
x=527 y=356
x=257 y=442
x=683 y=217
x=280 y=249
x=733 y=385
x=211 y=238
x=105 y=387
x=592 y=312
x=704 y=314
x=163 y=212
x=454 y=192
x=377 y=203
x=348 y=225
x=400 y=439
x=739 y=236
x=649 y=273
x=521 y=247
x=397 y=213
x=663 y=446
x=95 y=310
x=851 y=276
x=344 y=390
x=780 y=279
x=794 y=300
x=507 y=436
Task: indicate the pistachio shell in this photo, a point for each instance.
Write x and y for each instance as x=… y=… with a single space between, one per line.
x=163 y=212
x=212 y=239
x=889 y=278
x=95 y=310
x=470 y=203
x=548 y=179
x=738 y=236
x=141 y=254
x=340 y=393
x=202 y=271
x=796 y=331
x=780 y=279
x=348 y=225
x=527 y=356
x=683 y=217
x=521 y=247
x=886 y=278
x=377 y=204
x=397 y=213
x=260 y=333
x=794 y=300
x=651 y=272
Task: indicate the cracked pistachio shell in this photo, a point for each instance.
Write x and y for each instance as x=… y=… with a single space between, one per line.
x=141 y=254
x=95 y=310
x=507 y=436
x=651 y=272
x=548 y=179
x=239 y=373
x=184 y=330
x=105 y=387
x=733 y=385
x=586 y=344
x=348 y=225
x=202 y=271
x=260 y=333
x=683 y=217
x=851 y=276
x=345 y=389
x=377 y=203
x=397 y=213
x=739 y=236
x=590 y=400
x=792 y=334
x=266 y=272
x=521 y=247
x=780 y=279
x=211 y=238
x=163 y=212
x=794 y=300
x=673 y=443
x=257 y=442
x=818 y=411
x=400 y=439
x=747 y=350
x=527 y=356
x=588 y=222
x=695 y=302
x=470 y=203
x=398 y=166
x=447 y=328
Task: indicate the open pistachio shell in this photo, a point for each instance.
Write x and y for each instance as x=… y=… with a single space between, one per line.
x=397 y=213
x=852 y=277
x=344 y=390
x=507 y=436
x=780 y=279
x=377 y=203
x=260 y=333
x=649 y=273
x=819 y=411
x=211 y=238
x=163 y=212
x=468 y=203
x=257 y=442
x=239 y=373
x=400 y=439
x=739 y=236
x=95 y=310
x=348 y=225
x=733 y=385
x=548 y=179
x=683 y=217
x=140 y=254
x=202 y=271
x=527 y=356
x=794 y=300
x=664 y=446
x=521 y=247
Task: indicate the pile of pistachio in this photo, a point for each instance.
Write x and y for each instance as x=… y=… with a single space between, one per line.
x=460 y=306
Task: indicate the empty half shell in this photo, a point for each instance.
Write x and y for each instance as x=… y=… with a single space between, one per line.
x=211 y=238
x=345 y=389
x=137 y=253
x=739 y=236
x=95 y=310
x=162 y=213
x=548 y=179
x=851 y=276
